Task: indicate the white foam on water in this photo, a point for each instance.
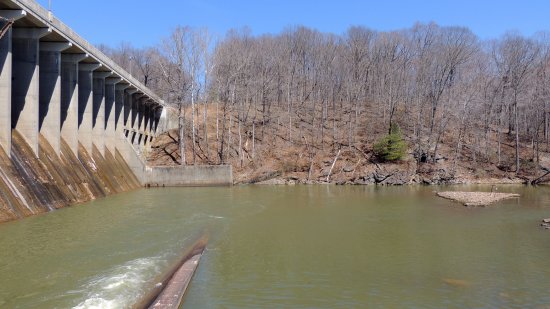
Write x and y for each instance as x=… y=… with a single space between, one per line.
x=121 y=286
x=216 y=217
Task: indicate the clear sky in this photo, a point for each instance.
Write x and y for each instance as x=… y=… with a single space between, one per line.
x=143 y=23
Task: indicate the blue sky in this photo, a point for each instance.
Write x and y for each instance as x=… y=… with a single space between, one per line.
x=143 y=23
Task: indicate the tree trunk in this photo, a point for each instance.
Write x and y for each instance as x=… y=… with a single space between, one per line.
x=217 y=123
x=253 y=139
x=193 y=119
x=204 y=118
x=517 y=131
x=241 y=152
x=181 y=139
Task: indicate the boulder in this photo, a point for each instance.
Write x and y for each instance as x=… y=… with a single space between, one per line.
x=348 y=169
x=363 y=180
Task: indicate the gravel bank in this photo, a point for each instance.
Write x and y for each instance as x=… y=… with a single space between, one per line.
x=476 y=198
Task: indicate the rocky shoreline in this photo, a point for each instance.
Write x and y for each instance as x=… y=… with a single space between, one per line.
x=377 y=177
x=407 y=172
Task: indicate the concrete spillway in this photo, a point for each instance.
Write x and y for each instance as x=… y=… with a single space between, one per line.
x=64 y=110
x=31 y=185
x=73 y=125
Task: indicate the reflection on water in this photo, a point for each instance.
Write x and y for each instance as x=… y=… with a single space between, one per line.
x=303 y=246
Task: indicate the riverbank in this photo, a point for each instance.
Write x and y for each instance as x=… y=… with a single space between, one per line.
x=376 y=174
x=273 y=160
x=347 y=172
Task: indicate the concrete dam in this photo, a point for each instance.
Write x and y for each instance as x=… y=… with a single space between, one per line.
x=74 y=126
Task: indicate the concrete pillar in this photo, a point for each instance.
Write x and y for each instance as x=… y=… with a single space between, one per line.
x=152 y=120
x=85 y=103
x=110 y=125
x=146 y=121
x=158 y=114
x=98 y=120
x=25 y=85
x=141 y=119
x=151 y=127
x=134 y=121
x=127 y=113
x=69 y=99
x=120 y=101
x=5 y=79
x=49 y=115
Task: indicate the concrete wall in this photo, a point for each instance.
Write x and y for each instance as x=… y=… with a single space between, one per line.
x=192 y=175
x=168 y=120
x=174 y=176
x=134 y=161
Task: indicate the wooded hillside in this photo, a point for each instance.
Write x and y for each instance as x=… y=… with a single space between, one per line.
x=456 y=98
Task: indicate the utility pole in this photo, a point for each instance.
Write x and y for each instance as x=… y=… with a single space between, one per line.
x=50 y=10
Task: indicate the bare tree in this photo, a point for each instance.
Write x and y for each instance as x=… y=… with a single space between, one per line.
x=515 y=58
x=445 y=87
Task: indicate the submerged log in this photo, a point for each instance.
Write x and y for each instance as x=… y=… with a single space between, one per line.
x=170 y=287
x=476 y=198
x=172 y=295
x=458 y=283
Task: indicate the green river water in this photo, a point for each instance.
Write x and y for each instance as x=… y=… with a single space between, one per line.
x=285 y=247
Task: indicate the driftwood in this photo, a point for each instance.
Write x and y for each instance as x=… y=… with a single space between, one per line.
x=332 y=166
x=538 y=180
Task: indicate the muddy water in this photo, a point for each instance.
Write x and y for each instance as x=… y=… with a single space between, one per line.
x=299 y=247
